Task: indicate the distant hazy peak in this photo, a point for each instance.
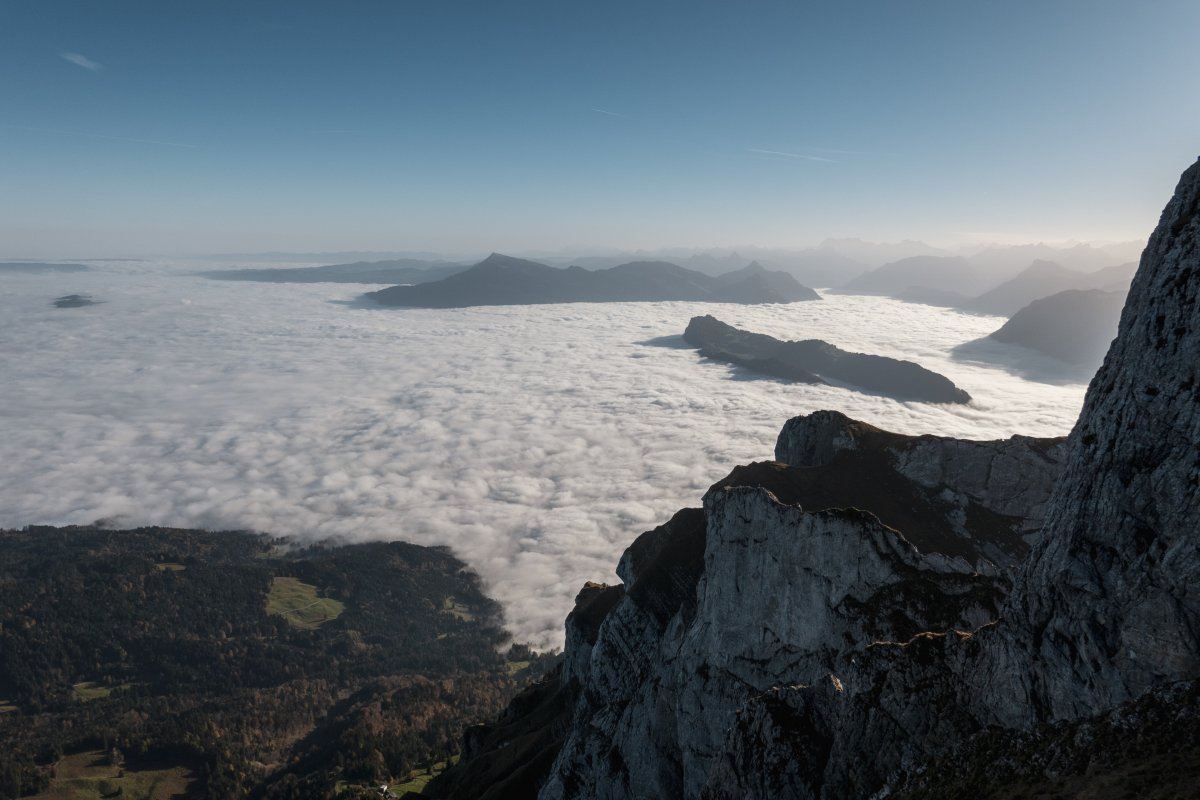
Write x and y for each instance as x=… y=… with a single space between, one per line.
x=503 y=261
x=1042 y=266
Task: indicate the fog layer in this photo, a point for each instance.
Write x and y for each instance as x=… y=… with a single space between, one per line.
x=536 y=441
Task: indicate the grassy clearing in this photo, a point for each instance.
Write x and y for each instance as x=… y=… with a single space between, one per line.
x=90 y=690
x=85 y=776
x=298 y=603
x=515 y=667
x=418 y=778
x=170 y=565
x=456 y=609
x=415 y=781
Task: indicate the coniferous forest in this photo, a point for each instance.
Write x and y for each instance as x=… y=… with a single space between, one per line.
x=251 y=669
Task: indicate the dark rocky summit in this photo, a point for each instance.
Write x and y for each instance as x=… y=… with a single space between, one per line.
x=858 y=619
x=504 y=280
x=1073 y=326
x=74 y=301
x=812 y=360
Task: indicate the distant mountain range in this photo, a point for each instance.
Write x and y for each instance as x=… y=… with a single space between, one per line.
x=392 y=271
x=504 y=280
x=956 y=282
x=1044 y=278
x=944 y=273
x=832 y=263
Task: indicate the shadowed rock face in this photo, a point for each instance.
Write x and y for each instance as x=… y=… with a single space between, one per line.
x=503 y=280
x=817 y=653
x=979 y=500
x=812 y=360
x=1109 y=603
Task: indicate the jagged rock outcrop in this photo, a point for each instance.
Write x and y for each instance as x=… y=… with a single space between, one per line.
x=1108 y=604
x=813 y=360
x=662 y=690
x=970 y=498
x=784 y=588
x=786 y=645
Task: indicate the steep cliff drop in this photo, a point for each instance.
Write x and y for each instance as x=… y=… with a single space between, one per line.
x=782 y=643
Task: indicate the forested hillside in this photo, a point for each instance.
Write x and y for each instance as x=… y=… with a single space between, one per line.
x=249 y=669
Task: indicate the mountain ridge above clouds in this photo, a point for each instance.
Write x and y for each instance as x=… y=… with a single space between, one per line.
x=832 y=262
x=1075 y=326
x=1044 y=278
x=813 y=360
x=507 y=280
x=958 y=281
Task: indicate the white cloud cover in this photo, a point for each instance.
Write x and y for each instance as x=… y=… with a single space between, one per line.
x=535 y=441
x=83 y=61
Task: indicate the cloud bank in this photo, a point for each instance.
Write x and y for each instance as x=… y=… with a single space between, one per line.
x=535 y=441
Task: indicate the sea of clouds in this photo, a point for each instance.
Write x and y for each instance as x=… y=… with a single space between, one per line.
x=535 y=441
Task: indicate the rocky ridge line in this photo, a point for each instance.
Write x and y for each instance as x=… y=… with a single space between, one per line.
x=768 y=647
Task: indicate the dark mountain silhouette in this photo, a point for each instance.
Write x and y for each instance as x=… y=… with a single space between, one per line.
x=74 y=301
x=813 y=360
x=1074 y=326
x=399 y=270
x=504 y=280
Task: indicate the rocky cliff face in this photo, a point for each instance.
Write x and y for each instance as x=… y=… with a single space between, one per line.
x=1108 y=604
x=790 y=578
x=780 y=642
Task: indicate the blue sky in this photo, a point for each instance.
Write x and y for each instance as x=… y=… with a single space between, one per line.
x=189 y=127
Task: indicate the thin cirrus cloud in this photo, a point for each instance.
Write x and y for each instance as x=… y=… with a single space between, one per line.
x=83 y=61
x=609 y=113
x=535 y=441
x=790 y=155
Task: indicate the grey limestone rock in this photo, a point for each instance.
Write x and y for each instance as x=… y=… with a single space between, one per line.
x=1108 y=604
x=783 y=643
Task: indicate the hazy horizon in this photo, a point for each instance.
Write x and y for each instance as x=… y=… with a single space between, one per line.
x=888 y=251
x=467 y=127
